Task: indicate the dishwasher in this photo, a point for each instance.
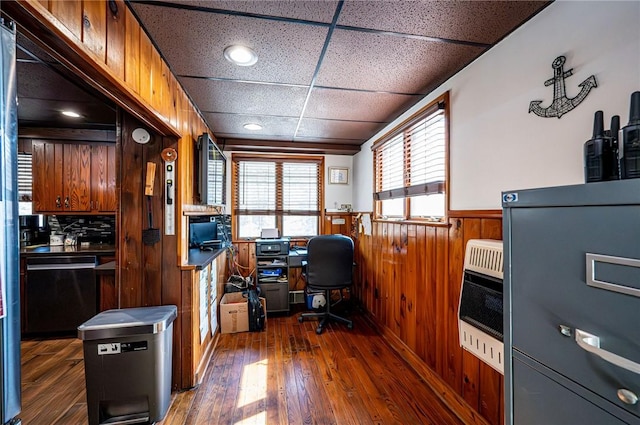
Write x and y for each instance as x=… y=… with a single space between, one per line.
x=60 y=293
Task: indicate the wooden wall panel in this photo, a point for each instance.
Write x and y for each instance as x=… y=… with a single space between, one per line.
x=94 y=28
x=69 y=13
x=442 y=284
x=116 y=39
x=146 y=64
x=132 y=51
x=131 y=218
x=453 y=359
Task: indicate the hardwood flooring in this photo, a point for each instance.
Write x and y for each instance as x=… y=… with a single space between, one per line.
x=284 y=375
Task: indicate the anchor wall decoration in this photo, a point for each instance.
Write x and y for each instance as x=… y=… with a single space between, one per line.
x=561 y=103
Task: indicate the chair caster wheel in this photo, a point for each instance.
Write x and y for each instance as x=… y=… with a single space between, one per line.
x=318 y=331
x=349 y=326
x=300 y=319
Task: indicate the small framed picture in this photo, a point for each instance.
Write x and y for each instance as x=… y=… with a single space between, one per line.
x=338 y=175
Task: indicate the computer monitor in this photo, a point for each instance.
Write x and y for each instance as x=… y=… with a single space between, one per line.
x=203 y=233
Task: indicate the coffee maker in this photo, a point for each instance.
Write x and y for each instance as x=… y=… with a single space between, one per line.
x=30 y=229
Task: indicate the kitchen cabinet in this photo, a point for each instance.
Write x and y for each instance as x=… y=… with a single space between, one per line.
x=73 y=177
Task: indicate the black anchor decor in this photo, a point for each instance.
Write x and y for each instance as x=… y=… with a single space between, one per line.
x=561 y=103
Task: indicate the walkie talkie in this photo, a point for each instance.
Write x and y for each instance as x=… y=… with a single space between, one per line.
x=631 y=141
x=594 y=158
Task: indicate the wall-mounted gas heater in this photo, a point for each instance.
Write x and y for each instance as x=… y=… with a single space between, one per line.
x=480 y=309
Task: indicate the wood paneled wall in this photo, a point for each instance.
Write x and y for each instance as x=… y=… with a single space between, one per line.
x=409 y=278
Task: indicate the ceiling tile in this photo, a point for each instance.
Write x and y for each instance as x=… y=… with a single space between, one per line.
x=356 y=105
x=477 y=21
x=308 y=10
x=390 y=63
x=194 y=42
x=311 y=128
x=245 y=98
x=231 y=124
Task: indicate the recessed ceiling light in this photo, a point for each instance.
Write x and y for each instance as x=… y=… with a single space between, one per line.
x=252 y=126
x=71 y=114
x=240 y=55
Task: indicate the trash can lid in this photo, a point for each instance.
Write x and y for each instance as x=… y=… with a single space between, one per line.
x=128 y=321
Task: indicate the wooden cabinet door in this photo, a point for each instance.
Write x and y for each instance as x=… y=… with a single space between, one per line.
x=47 y=172
x=77 y=177
x=103 y=178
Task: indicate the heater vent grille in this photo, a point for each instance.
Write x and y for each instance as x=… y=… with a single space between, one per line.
x=484 y=256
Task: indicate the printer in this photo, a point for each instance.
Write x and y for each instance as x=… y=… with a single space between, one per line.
x=272 y=246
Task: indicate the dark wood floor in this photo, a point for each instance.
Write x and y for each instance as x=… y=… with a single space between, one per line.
x=284 y=375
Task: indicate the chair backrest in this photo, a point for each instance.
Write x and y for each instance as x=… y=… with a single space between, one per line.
x=329 y=261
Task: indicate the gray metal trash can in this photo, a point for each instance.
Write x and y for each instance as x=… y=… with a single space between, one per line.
x=127 y=364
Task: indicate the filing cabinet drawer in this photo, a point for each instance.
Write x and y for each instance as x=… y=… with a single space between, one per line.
x=538 y=398
x=552 y=304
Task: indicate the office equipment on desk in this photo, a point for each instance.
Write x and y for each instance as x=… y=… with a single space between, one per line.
x=269 y=234
x=204 y=235
x=329 y=267
x=296 y=257
x=272 y=273
x=272 y=246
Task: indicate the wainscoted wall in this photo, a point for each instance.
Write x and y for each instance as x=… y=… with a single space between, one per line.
x=408 y=278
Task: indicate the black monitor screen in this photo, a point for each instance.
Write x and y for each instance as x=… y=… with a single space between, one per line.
x=200 y=233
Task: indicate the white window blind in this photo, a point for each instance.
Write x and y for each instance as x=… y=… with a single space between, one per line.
x=410 y=163
x=277 y=192
x=25 y=179
x=256 y=187
x=215 y=188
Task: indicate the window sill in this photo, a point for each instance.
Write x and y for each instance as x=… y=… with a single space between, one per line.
x=413 y=221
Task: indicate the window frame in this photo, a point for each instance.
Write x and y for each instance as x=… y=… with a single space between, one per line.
x=440 y=103
x=236 y=158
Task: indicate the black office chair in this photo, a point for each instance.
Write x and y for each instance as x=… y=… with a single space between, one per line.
x=329 y=267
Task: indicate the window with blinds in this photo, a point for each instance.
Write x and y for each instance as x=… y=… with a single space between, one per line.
x=277 y=192
x=410 y=167
x=25 y=178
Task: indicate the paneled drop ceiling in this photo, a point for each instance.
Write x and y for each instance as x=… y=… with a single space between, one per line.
x=330 y=74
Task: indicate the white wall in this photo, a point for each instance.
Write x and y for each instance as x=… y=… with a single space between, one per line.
x=495 y=144
x=337 y=194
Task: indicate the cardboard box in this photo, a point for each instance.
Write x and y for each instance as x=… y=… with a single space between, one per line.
x=234 y=313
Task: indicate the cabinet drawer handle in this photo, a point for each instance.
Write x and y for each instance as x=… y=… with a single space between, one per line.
x=58 y=202
x=591 y=343
x=592 y=259
x=66 y=202
x=627 y=397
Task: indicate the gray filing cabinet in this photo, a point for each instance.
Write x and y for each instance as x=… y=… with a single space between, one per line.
x=572 y=291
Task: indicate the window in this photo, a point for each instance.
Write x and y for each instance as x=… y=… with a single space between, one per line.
x=24 y=177
x=277 y=192
x=410 y=166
